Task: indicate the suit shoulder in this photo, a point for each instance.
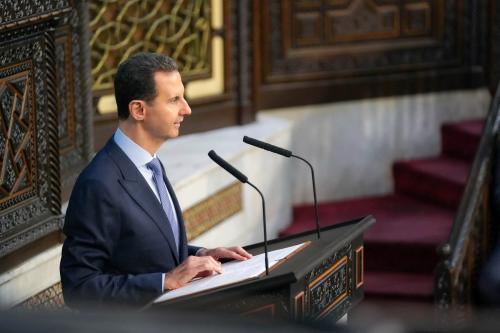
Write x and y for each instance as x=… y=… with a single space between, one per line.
x=102 y=169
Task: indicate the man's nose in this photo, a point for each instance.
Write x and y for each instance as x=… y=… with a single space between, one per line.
x=186 y=110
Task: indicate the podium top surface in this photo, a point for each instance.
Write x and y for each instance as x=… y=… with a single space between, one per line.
x=332 y=238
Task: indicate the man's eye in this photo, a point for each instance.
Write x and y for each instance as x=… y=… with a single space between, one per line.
x=174 y=100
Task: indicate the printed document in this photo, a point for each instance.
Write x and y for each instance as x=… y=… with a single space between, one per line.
x=233 y=272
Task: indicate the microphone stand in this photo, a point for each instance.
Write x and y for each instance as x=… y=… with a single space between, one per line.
x=244 y=179
x=287 y=153
x=265 y=229
x=314 y=191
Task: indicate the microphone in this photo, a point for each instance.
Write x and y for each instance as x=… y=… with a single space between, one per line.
x=228 y=167
x=287 y=153
x=267 y=146
x=244 y=179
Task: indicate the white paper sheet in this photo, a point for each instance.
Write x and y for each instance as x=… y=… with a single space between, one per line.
x=233 y=271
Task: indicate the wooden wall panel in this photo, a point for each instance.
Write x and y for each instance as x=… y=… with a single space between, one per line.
x=43 y=116
x=74 y=102
x=329 y=50
x=30 y=182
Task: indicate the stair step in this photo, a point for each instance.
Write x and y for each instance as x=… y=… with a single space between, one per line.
x=461 y=139
x=440 y=180
x=407 y=229
x=398 y=286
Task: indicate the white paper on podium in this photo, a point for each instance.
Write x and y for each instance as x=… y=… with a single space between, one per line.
x=233 y=271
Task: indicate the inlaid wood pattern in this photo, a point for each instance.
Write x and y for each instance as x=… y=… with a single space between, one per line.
x=17 y=151
x=213 y=210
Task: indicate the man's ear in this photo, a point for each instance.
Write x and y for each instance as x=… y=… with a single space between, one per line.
x=136 y=109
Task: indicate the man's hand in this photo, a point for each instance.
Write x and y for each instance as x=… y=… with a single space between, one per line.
x=189 y=269
x=218 y=253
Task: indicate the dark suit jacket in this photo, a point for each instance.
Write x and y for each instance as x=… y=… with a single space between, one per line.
x=119 y=241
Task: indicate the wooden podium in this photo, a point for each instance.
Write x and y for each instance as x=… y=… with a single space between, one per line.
x=322 y=281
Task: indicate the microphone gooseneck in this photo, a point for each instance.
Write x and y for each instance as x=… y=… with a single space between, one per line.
x=264 y=224
x=288 y=153
x=314 y=193
x=244 y=179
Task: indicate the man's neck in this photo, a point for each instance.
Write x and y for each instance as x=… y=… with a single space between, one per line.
x=140 y=137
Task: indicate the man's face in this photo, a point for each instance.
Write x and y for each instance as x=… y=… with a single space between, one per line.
x=166 y=112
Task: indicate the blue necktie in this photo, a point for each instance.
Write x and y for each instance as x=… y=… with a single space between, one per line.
x=155 y=166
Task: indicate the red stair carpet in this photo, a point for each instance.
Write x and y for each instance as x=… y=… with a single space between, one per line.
x=400 y=249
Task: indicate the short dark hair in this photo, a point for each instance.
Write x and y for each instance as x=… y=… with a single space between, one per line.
x=134 y=79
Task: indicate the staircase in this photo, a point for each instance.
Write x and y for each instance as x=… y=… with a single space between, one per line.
x=400 y=249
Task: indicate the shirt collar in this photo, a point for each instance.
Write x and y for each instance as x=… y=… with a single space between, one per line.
x=138 y=155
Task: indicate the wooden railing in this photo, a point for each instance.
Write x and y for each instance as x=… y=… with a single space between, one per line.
x=470 y=239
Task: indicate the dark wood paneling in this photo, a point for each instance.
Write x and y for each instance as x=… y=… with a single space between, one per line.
x=324 y=51
x=29 y=179
x=73 y=96
x=44 y=121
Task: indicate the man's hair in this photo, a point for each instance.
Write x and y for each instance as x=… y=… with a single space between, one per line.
x=134 y=79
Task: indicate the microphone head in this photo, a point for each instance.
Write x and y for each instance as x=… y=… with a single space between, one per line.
x=228 y=167
x=267 y=146
x=212 y=154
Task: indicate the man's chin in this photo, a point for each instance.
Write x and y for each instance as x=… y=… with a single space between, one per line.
x=172 y=135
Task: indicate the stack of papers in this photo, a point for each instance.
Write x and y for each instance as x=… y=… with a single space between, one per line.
x=233 y=272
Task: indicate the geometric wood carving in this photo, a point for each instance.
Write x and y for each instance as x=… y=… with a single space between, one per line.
x=30 y=201
x=17 y=128
x=44 y=114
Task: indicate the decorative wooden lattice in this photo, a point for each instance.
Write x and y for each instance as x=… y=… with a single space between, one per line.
x=180 y=29
x=18 y=159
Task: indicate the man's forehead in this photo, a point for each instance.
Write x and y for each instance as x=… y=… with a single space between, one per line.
x=171 y=79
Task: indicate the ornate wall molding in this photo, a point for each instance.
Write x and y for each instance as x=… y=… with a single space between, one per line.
x=213 y=210
x=73 y=95
x=48 y=299
x=44 y=118
x=30 y=202
x=180 y=29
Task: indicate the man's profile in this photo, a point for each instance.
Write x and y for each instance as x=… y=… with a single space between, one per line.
x=126 y=242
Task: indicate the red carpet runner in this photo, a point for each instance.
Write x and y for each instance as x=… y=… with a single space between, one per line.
x=400 y=249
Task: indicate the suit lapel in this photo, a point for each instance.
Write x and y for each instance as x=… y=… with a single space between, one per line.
x=178 y=211
x=137 y=187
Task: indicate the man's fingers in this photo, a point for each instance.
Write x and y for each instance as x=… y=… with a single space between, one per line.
x=235 y=252
x=207 y=264
x=228 y=253
x=241 y=251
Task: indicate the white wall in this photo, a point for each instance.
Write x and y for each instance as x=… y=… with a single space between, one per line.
x=195 y=177
x=352 y=145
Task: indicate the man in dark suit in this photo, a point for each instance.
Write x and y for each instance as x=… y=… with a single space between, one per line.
x=126 y=241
